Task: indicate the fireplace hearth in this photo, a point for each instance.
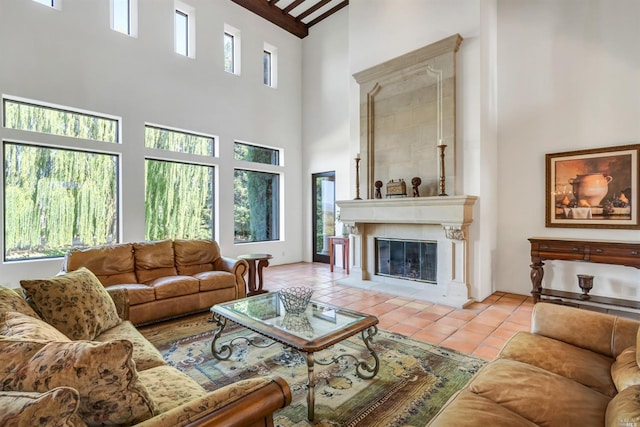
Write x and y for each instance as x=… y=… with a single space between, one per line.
x=407 y=259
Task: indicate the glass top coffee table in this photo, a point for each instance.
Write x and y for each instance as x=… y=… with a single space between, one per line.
x=319 y=327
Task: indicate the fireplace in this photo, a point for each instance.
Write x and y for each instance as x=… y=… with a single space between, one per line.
x=407 y=259
x=384 y=227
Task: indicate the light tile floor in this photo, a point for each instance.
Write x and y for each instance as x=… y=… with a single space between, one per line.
x=481 y=329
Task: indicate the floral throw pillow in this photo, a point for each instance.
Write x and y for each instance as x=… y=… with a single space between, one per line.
x=103 y=374
x=74 y=303
x=55 y=408
x=10 y=300
x=18 y=325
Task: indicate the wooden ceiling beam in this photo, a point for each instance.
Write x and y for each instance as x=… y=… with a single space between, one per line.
x=274 y=14
x=292 y=6
x=328 y=13
x=311 y=10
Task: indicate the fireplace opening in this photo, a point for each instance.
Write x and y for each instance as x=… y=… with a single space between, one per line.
x=407 y=259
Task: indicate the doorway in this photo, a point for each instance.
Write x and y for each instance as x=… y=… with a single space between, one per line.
x=324 y=213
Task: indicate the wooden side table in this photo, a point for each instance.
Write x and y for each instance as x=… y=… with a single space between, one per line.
x=256 y=263
x=339 y=240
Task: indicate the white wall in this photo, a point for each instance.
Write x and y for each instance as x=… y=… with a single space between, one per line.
x=71 y=57
x=568 y=79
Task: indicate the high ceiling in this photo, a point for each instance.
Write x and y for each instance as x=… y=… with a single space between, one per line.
x=295 y=16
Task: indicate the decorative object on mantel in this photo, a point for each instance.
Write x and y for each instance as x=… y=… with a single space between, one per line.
x=357 y=159
x=596 y=188
x=396 y=188
x=586 y=284
x=441 y=147
x=415 y=183
x=378 y=185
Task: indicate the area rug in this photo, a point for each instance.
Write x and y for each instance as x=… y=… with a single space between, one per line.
x=415 y=378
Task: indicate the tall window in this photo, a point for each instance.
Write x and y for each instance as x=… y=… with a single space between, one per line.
x=57 y=198
x=184 y=29
x=179 y=200
x=50 y=3
x=256 y=206
x=270 y=65
x=232 y=40
x=124 y=16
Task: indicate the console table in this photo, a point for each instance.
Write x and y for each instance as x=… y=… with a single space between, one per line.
x=594 y=251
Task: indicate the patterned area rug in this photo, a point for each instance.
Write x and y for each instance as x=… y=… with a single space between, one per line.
x=415 y=378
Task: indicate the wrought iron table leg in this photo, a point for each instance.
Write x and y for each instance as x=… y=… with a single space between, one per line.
x=372 y=370
x=225 y=350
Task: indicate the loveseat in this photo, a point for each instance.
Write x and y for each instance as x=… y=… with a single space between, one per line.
x=163 y=279
x=575 y=368
x=69 y=360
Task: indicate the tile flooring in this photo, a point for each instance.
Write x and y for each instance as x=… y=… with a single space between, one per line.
x=480 y=329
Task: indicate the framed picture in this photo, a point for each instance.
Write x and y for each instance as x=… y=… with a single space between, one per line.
x=595 y=188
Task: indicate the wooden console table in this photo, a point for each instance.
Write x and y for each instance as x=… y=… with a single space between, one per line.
x=595 y=251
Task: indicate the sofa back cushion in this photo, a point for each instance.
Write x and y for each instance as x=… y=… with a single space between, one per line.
x=55 y=408
x=18 y=325
x=10 y=300
x=154 y=260
x=104 y=375
x=195 y=256
x=74 y=303
x=112 y=265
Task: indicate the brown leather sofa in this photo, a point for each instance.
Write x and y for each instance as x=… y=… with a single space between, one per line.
x=163 y=279
x=575 y=368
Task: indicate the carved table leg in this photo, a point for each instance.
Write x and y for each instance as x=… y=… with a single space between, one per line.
x=537 y=273
x=251 y=282
x=311 y=384
x=261 y=264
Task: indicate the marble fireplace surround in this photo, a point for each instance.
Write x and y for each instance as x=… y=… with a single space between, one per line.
x=444 y=220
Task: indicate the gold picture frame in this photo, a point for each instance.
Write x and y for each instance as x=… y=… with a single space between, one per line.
x=596 y=188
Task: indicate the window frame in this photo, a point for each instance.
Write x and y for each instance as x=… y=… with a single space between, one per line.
x=272 y=51
x=53 y=4
x=183 y=9
x=237 y=49
x=131 y=17
x=277 y=221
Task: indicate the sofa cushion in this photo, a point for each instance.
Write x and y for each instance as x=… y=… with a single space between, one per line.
x=55 y=408
x=145 y=355
x=195 y=256
x=469 y=409
x=112 y=264
x=154 y=260
x=584 y=366
x=18 y=325
x=136 y=293
x=10 y=300
x=625 y=371
x=75 y=303
x=540 y=396
x=170 y=388
x=213 y=280
x=624 y=409
x=173 y=286
x=103 y=374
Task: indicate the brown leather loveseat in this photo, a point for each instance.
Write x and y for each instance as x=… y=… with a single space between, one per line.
x=163 y=279
x=575 y=368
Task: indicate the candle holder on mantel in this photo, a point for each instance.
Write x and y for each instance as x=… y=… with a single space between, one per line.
x=357 y=159
x=441 y=147
x=586 y=284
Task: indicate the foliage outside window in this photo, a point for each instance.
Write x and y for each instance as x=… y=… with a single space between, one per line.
x=25 y=116
x=178 y=200
x=229 y=59
x=254 y=153
x=256 y=206
x=57 y=199
x=181 y=142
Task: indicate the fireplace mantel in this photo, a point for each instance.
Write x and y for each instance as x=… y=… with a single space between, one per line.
x=456 y=211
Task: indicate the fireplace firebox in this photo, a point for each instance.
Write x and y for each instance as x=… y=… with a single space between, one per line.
x=407 y=259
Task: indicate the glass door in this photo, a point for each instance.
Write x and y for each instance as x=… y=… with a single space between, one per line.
x=324 y=214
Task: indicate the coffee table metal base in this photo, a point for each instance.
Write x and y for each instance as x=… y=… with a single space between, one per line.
x=364 y=370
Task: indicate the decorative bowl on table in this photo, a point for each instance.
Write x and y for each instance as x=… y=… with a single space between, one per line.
x=295 y=299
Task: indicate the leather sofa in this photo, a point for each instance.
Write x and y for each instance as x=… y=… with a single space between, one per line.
x=574 y=368
x=69 y=360
x=163 y=279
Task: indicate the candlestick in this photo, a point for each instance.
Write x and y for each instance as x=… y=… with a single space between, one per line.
x=357 y=159
x=441 y=147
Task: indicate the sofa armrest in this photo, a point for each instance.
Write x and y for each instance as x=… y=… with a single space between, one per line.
x=120 y=297
x=603 y=333
x=241 y=404
x=239 y=268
